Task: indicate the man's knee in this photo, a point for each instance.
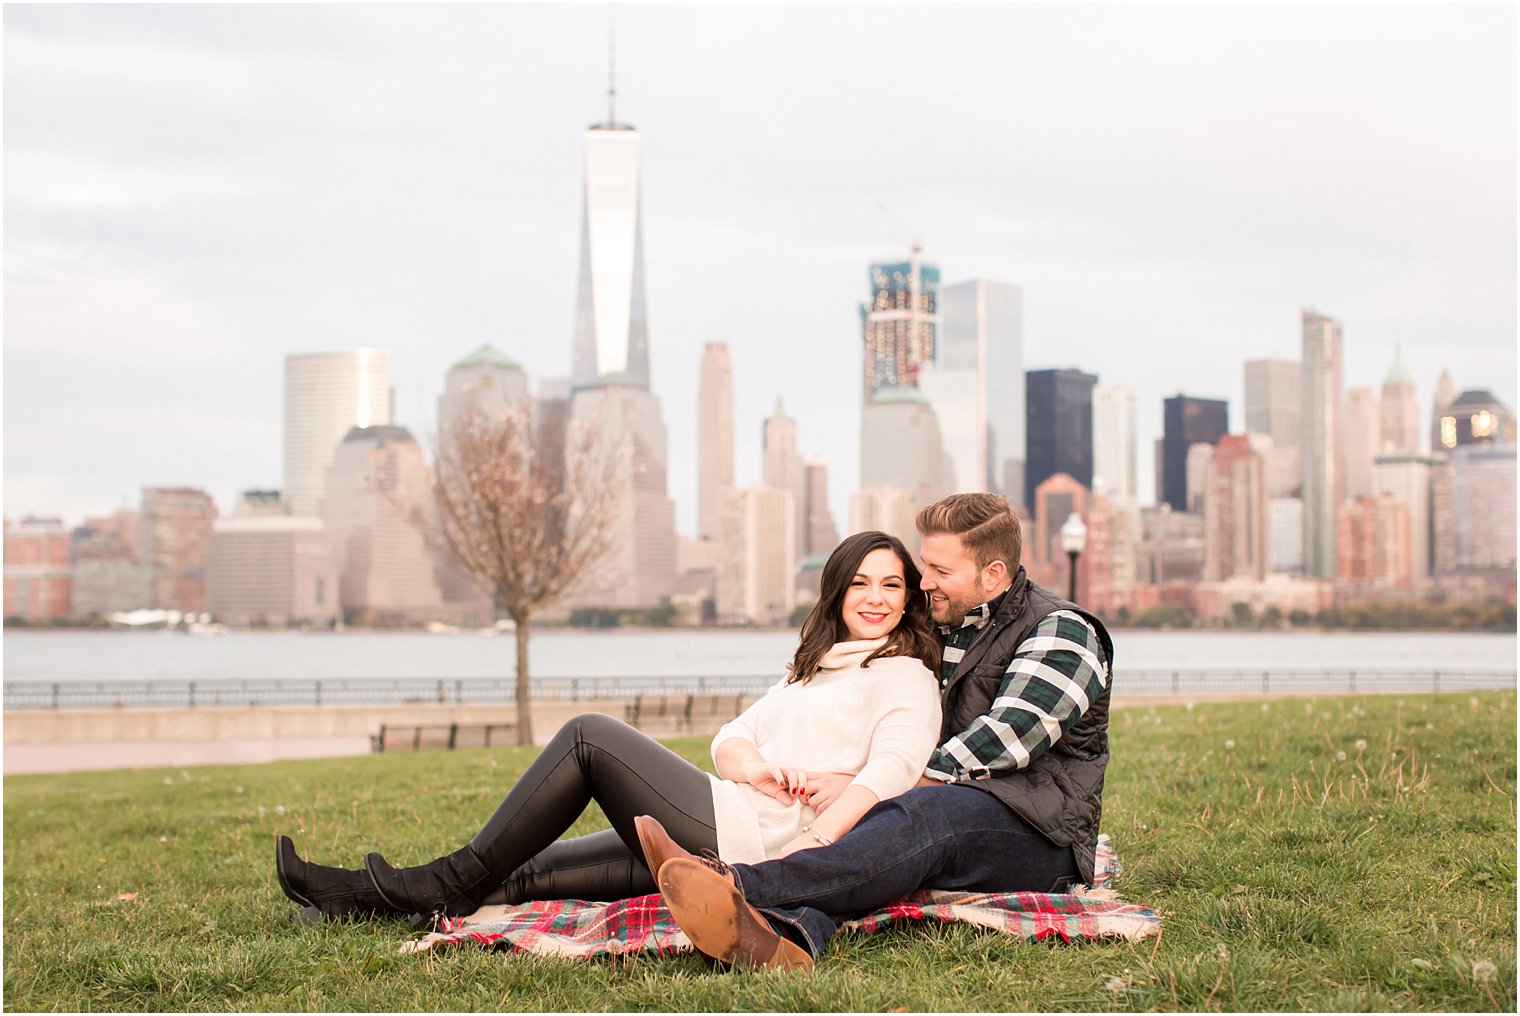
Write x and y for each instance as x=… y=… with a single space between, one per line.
x=914 y=807
x=940 y=806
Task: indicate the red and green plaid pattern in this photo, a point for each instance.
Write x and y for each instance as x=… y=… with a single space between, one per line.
x=1030 y=916
x=578 y=928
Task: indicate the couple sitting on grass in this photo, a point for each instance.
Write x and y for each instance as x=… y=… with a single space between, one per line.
x=953 y=738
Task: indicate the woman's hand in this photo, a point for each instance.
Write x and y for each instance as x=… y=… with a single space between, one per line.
x=783 y=782
x=824 y=789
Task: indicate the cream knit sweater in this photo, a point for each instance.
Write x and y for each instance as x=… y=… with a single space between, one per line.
x=880 y=723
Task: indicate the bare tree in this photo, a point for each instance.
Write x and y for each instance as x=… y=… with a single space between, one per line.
x=524 y=518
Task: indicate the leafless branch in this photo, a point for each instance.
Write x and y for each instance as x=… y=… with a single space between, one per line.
x=525 y=521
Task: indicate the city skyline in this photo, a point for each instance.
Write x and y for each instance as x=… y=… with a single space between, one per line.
x=344 y=190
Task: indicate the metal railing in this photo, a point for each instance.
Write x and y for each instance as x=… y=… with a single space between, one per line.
x=1267 y=681
x=355 y=691
x=461 y=691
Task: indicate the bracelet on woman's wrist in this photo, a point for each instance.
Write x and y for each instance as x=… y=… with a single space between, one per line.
x=815 y=834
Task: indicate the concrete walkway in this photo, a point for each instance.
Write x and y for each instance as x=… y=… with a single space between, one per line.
x=62 y=756
x=77 y=757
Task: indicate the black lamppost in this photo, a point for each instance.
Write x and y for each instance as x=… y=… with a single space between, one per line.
x=1074 y=541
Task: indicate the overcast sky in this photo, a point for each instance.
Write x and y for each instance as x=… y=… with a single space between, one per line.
x=191 y=193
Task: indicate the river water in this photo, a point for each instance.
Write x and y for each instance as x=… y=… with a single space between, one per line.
x=173 y=656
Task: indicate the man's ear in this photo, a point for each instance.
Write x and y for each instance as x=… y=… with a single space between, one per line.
x=993 y=576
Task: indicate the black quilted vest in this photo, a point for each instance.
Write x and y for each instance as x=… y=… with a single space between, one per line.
x=1061 y=792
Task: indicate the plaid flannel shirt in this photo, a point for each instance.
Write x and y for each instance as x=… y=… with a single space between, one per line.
x=1058 y=671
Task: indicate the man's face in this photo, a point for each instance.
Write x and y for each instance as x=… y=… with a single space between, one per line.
x=953 y=581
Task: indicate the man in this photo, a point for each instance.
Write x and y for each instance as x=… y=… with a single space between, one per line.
x=1009 y=801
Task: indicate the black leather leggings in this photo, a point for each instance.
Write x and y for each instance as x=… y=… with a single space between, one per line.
x=593 y=757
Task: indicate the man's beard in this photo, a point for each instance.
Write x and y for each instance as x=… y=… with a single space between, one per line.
x=955 y=611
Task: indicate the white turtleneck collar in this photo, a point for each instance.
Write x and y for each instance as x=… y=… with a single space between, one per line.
x=850 y=654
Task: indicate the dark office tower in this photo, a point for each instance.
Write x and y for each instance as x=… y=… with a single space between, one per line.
x=900 y=324
x=1187 y=421
x=1059 y=431
x=1475 y=417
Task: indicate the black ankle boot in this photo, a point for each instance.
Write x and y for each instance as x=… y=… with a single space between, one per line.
x=325 y=893
x=450 y=886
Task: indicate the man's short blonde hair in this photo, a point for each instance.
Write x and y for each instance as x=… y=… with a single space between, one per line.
x=985 y=523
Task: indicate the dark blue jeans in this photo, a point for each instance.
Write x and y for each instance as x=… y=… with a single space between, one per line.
x=951 y=837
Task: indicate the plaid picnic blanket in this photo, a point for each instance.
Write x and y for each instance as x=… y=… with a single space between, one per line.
x=582 y=929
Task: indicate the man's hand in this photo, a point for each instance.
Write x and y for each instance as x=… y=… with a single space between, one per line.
x=824 y=789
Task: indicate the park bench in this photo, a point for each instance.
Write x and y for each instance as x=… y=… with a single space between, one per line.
x=685 y=713
x=713 y=710
x=659 y=712
x=427 y=736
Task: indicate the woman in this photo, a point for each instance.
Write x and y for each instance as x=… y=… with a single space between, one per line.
x=853 y=722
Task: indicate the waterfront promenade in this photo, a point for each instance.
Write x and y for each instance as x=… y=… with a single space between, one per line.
x=106 y=700
x=73 y=740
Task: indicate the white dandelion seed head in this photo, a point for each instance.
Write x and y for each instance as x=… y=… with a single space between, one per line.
x=1340 y=756
x=1229 y=745
x=1484 y=970
x=1361 y=744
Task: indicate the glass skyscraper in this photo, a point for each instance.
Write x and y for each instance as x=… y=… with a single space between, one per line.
x=1321 y=433
x=611 y=323
x=899 y=325
x=327 y=394
x=973 y=385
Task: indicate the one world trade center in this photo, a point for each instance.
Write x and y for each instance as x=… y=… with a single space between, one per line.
x=611 y=327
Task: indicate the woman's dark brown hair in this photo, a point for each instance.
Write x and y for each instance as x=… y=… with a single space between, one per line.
x=825 y=623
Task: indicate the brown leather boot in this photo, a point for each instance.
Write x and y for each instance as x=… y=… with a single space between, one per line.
x=720 y=923
x=658 y=848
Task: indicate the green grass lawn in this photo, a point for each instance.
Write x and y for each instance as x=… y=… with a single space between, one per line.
x=1328 y=854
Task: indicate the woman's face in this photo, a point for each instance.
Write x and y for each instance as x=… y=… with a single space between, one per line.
x=876 y=596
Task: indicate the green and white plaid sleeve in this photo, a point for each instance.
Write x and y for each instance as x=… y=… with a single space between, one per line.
x=1056 y=674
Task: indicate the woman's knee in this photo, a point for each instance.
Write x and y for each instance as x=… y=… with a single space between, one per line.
x=597 y=728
